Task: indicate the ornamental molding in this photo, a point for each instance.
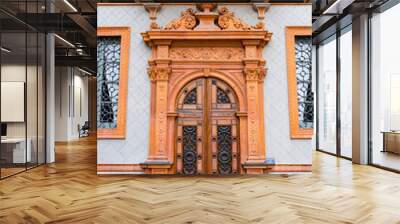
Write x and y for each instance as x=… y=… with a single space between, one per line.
x=159 y=73
x=205 y=18
x=207 y=53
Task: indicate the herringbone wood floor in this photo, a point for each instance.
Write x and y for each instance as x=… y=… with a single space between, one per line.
x=71 y=192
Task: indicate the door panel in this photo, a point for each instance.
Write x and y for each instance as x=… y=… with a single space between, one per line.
x=207 y=128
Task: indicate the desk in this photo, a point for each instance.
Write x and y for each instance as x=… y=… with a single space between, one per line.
x=391 y=141
x=16 y=147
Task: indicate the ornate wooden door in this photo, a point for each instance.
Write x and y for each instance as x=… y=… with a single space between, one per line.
x=207 y=128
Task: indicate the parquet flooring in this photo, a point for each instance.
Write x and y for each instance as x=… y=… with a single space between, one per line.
x=69 y=191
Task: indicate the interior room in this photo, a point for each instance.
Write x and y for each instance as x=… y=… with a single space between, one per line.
x=48 y=82
x=22 y=97
x=385 y=90
x=73 y=104
x=346 y=46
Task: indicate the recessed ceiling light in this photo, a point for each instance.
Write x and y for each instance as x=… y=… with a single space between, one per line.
x=70 y=5
x=84 y=71
x=5 y=50
x=338 y=6
x=64 y=40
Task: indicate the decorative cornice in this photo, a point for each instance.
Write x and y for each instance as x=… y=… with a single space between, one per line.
x=158 y=74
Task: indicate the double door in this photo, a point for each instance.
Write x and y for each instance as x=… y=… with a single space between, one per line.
x=207 y=128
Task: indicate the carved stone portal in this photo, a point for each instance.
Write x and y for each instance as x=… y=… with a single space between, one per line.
x=209 y=43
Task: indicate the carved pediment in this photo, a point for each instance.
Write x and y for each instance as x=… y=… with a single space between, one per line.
x=228 y=21
x=187 y=21
x=207 y=19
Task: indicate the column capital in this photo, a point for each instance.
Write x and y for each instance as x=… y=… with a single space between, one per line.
x=158 y=74
x=254 y=74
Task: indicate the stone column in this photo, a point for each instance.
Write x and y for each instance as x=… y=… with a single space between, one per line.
x=254 y=73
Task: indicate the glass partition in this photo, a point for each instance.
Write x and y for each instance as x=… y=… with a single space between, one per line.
x=346 y=92
x=22 y=101
x=385 y=90
x=327 y=96
x=13 y=94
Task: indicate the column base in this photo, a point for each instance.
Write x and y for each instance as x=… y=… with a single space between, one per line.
x=156 y=166
x=255 y=167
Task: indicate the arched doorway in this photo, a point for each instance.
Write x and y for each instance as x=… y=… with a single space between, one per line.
x=229 y=50
x=207 y=128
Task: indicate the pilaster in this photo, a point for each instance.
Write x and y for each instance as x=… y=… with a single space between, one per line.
x=157 y=162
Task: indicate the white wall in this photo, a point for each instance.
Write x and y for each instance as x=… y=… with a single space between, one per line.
x=134 y=148
x=17 y=73
x=70 y=83
x=33 y=126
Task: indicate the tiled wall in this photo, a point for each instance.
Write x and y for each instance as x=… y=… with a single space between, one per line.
x=134 y=148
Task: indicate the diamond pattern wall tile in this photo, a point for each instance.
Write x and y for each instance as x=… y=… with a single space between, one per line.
x=279 y=146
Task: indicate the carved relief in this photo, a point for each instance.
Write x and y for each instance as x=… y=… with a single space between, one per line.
x=154 y=26
x=207 y=53
x=187 y=21
x=259 y=26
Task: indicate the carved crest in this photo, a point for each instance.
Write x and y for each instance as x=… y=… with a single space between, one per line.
x=224 y=20
x=228 y=21
x=187 y=21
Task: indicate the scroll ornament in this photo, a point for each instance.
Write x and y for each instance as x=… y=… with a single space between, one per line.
x=228 y=21
x=187 y=21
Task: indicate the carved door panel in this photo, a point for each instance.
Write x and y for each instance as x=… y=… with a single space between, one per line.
x=207 y=128
x=189 y=151
x=224 y=148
